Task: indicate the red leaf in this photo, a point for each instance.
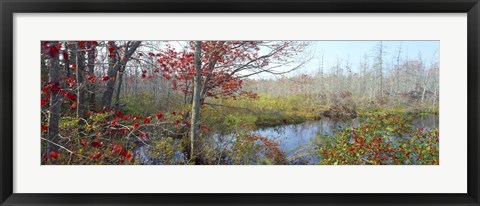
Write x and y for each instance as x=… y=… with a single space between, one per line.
x=114 y=121
x=97 y=144
x=70 y=96
x=126 y=154
x=147 y=120
x=122 y=131
x=105 y=78
x=44 y=102
x=166 y=76
x=71 y=81
x=96 y=156
x=81 y=43
x=53 y=51
x=160 y=116
x=54 y=87
x=117 y=148
x=54 y=155
x=44 y=127
x=92 y=78
x=83 y=141
x=65 y=56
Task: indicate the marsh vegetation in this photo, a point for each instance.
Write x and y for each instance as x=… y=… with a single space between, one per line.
x=239 y=103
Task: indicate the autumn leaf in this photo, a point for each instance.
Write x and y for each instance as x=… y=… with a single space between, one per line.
x=147 y=120
x=54 y=155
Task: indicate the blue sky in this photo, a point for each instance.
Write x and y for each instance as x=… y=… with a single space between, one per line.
x=354 y=51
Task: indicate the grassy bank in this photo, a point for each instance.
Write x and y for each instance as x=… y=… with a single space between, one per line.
x=269 y=111
x=384 y=139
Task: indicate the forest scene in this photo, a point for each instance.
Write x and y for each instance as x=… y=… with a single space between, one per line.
x=239 y=102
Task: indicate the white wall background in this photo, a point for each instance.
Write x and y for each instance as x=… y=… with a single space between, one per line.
x=449 y=177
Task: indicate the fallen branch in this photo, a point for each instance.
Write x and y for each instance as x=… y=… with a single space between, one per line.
x=64 y=148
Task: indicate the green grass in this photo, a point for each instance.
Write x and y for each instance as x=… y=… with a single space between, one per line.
x=269 y=111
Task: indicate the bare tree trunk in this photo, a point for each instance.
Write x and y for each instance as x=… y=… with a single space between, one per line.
x=68 y=60
x=322 y=81
x=397 y=69
x=204 y=90
x=365 y=75
x=167 y=102
x=114 y=66
x=196 y=97
x=434 y=96
x=381 y=70
x=112 y=74
x=119 y=87
x=425 y=82
x=54 y=77
x=81 y=92
x=91 y=70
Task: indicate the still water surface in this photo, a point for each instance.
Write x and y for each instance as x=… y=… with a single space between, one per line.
x=294 y=139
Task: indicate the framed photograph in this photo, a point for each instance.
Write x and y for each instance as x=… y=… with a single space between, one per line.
x=268 y=102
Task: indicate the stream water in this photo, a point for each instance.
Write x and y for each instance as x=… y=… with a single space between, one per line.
x=294 y=139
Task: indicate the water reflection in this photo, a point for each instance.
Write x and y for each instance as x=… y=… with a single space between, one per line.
x=426 y=121
x=295 y=139
x=294 y=136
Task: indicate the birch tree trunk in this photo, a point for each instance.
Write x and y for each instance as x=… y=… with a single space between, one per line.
x=381 y=70
x=196 y=97
x=425 y=84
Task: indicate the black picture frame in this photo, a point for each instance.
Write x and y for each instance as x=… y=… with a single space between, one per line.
x=9 y=7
